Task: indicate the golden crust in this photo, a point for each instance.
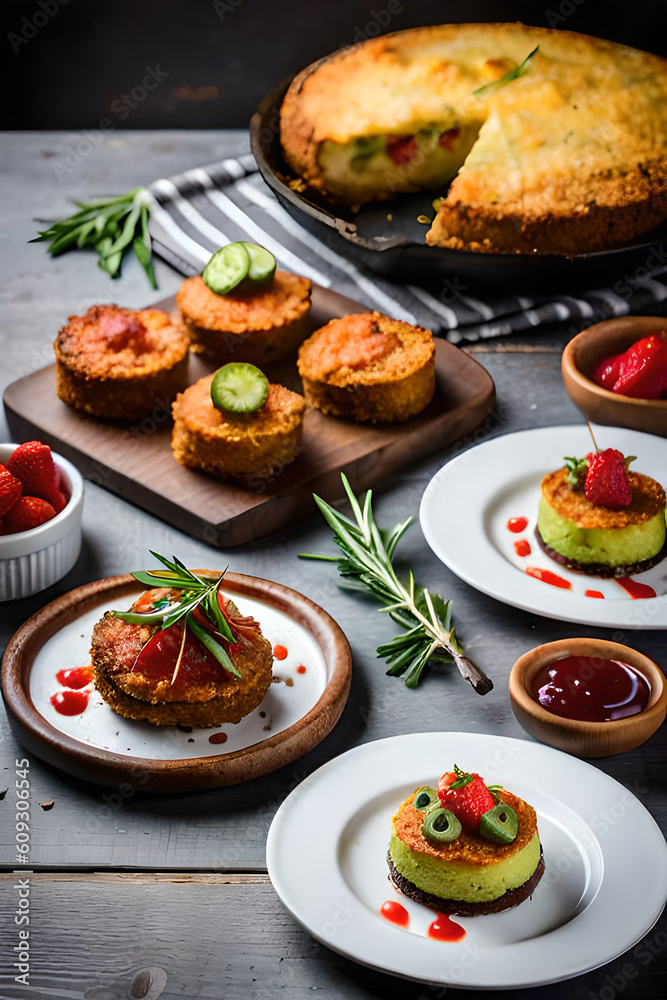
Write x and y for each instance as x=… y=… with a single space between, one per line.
x=395 y=383
x=237 y=446
x=207 y=699
x=469 y=848
x=284 y=301
x=648 y=499
x=549 y=172
x=124 y=378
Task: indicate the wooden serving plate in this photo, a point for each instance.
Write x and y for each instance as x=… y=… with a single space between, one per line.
x=136 y=462
x=104 y=748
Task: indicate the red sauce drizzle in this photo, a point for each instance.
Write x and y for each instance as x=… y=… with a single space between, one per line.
x=591 y=689
x=395 y=913
x=70 y=702
x=75 y=677
x=218 y=738
x=517 y=524
x=522 y=547
x=594 y=593
x=444 y=928
x=280 y=652
x=546 y=576
x=637 y=591
x=301 y=669
x=158 y=657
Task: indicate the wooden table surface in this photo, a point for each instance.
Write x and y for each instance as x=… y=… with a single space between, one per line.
x=178 y=883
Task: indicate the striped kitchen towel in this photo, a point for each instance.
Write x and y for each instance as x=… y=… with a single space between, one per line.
x=199 y=210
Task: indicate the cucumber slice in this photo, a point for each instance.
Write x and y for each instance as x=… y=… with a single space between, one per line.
x=262 y=264
x=227 y=268
x=239 y=388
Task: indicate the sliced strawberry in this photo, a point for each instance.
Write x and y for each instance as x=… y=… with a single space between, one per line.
x=10 y=490
x=605 y=372
x=642 y=373
x=27 y=513
x=33 y=464
x=466 y=796
x=607 y=483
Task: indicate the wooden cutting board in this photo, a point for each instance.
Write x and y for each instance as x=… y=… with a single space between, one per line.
x=135 y=460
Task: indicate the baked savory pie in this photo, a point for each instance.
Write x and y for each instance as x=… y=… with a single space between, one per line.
x=555 y=141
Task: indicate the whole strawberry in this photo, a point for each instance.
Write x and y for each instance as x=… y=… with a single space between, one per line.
x=466 y=795
x=10 y=490
x=33 y=464
x=607 y=483
x=27 y=513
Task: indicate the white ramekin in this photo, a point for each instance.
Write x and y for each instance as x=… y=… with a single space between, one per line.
x=32 y=560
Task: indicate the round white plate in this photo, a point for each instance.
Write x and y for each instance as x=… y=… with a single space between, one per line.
x=466 y=506
x=326 y=855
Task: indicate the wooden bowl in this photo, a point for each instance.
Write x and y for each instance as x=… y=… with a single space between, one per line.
x=160 y=771
x=601 y=405
x=586 y=739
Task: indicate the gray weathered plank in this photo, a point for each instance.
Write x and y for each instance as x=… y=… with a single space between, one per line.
x=90 y=939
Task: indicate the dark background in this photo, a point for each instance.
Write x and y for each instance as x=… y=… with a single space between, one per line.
x=70 y=63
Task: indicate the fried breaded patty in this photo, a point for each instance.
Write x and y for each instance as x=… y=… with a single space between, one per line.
x=203 y=693
x=368 y=367
x=260 y=328
x=648 y=499
x=237 y=446
x=120 y=364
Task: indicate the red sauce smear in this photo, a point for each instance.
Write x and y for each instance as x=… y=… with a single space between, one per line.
x=218 y=738
x=301 y=669
x=546 y=576
x=517 y=524
x=637 y=591
x=280 y=652
x=395 y=913
x=444 y=928
x=594 y=593
x=158 y=657
x=591 y=689
x=522 y=547
x=70 y=702
x=75 y=677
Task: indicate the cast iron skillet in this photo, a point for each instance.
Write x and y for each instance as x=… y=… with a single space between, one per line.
x=397 y=249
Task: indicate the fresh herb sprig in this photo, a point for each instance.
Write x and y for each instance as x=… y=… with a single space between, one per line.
x=508 y=77
x=110 y=226
x=367 y=565
x=195 y=592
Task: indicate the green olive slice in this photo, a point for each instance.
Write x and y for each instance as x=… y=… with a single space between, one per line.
x=500 y=824
x=440 y=826
x=425 y=798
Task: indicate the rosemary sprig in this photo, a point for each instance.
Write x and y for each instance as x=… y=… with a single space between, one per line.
x=508 y=77
x=110 y=226
x=367 y=565
x=195 y=592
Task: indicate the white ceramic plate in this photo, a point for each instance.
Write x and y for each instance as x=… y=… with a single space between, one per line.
x=326 y=855
x=466 y=506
